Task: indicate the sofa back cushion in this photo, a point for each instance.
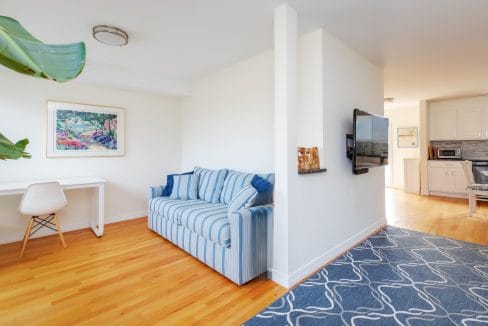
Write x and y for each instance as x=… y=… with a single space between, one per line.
x=244 y=198
x=170 y=182
x=185 y=187
x=234 y=182
x=210 y=183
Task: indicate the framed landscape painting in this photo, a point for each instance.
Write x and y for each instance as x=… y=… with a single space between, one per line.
x=79 y=130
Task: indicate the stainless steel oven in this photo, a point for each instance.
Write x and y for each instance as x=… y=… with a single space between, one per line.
x=480 y=171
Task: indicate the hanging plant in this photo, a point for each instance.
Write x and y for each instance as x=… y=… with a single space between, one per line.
x=23 y=53
x=11 y=151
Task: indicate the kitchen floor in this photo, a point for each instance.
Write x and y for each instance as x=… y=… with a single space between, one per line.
x=442 y=216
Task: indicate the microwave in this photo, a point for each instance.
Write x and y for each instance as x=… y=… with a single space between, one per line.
x=449 y=153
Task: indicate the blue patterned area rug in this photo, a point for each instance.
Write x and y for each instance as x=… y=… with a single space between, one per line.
x=396 y=277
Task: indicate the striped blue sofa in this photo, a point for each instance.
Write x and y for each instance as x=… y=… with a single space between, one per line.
x=232 y=243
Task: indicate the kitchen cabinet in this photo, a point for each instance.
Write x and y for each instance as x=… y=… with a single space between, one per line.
x=460 y=119
x=469 y=123
x=446 y=178
x=443 y=122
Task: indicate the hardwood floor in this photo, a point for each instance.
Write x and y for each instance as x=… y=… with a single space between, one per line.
x=133 y=276
x=129 y=276
x=447 y=217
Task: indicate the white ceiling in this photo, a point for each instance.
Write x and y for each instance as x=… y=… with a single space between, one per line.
x=429 y=49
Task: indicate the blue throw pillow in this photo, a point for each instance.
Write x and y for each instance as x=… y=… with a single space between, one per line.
x=185 y=187
x=169 y=183
x=261 y=184
x=244 y=198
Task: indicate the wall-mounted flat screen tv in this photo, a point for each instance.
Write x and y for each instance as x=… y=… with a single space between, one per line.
x=369 y=141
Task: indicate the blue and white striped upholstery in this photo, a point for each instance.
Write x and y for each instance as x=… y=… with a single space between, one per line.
x=243 y=199
x=155 y=191
x=173 y=208
x=234 y=182
x=185 y=186
x=210 y=183
x=206 y=219
x=210 y=222
x=243 y=260
x=246 y=257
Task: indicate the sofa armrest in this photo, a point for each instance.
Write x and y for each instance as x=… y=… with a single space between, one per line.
x=249 y=233
x=154 y=191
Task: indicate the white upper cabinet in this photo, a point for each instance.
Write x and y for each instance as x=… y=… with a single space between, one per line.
x=443 y=124
x=470 y=123
x=460 y=119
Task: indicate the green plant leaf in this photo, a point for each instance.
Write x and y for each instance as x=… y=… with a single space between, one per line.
x=22 y=52
x=21 y=144
x=11 y=151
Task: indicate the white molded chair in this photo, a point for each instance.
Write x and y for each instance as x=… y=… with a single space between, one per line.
x=476 y=191
x=41 y=201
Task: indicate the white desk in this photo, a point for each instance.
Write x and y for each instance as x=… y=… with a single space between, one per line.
x=97 y=197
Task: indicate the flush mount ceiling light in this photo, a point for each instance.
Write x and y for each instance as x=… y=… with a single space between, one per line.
x=110 y=35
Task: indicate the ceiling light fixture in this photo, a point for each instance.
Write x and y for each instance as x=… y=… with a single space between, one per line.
x=389 y=99
x=110 y=35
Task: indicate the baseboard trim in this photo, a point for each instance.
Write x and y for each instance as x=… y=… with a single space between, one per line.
x=318 y=263
x=73 y=227
x=125 y=217
x=278 y=277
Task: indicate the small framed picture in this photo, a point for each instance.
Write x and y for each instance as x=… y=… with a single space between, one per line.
x=79 y=130
x=408 y=137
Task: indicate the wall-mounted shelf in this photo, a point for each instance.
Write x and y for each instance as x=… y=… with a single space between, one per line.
x=312 y=171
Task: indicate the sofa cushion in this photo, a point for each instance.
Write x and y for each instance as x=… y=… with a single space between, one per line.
x=172 y=208
x=210 y=183
x=234 y=182
x=243 y=199
x=207 y=219
x=185 y=186
x=210 y=221
x=169 y=183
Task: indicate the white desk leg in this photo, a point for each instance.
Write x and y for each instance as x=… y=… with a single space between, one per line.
x=98 y=210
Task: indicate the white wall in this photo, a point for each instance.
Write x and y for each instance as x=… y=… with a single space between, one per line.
x=228 y=122
x=228 y=119
x=310 y=124
x=153 y=148
x=399 y=118
x=333 y=210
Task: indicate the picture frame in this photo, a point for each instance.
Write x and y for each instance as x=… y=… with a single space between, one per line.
x=84 y=130
x=408 y=137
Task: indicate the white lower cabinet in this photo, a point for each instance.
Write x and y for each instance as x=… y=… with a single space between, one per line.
x=446 y=178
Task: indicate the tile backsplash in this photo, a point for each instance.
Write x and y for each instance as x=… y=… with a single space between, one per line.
x=469 y=148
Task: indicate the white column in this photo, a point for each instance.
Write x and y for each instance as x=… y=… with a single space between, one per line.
x=285 y=49
x=424 y=145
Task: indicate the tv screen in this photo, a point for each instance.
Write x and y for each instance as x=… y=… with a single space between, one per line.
x=370 y=136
